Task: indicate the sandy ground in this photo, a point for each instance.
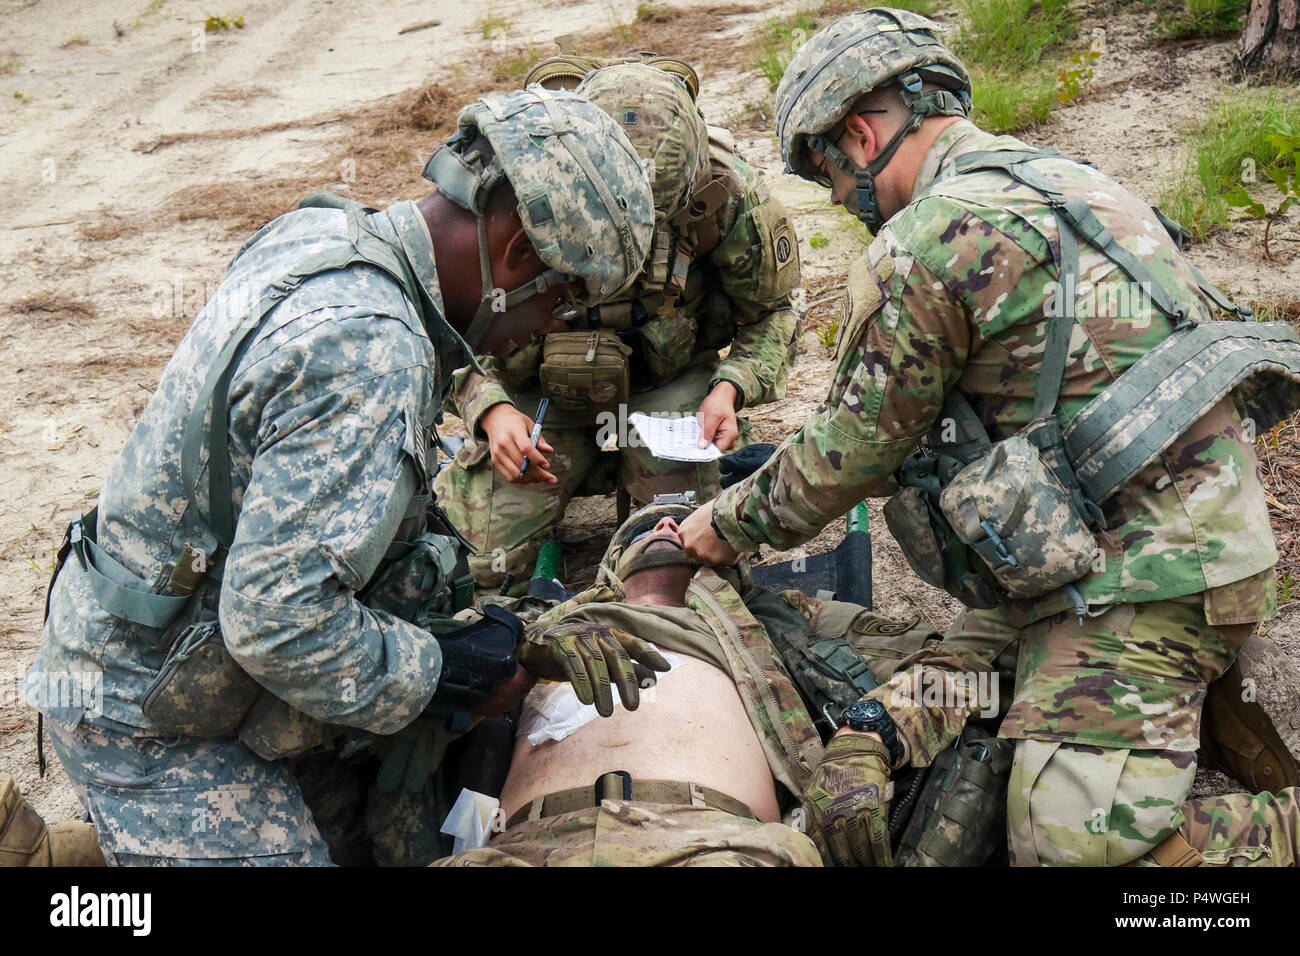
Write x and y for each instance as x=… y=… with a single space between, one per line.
x=110 y=112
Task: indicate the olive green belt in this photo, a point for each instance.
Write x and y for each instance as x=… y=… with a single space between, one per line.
x=619 y=785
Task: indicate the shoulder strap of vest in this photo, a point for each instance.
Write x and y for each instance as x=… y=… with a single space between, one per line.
x=1163 y=394
x=363 y=245
x=794 y=746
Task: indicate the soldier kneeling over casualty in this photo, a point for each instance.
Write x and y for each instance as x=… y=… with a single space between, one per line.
x=1064 y=411
x=722 y=269
x=260 y=604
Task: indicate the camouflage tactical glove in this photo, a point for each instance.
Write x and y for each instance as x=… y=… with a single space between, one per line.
x=587 y=655
x=846 y=804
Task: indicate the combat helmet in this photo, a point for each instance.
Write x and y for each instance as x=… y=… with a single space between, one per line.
x=659 y=116
x=624 y=554
x=584 y=198
x=856 y=54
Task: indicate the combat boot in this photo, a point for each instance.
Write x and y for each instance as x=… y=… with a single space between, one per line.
x=1239 y=738
x=25 y=840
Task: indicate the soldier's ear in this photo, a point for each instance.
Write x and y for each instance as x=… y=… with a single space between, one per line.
x=519 y=254
x=860 y=133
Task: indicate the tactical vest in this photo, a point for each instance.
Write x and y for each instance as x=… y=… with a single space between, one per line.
x=200 y=690
x=1115 y=436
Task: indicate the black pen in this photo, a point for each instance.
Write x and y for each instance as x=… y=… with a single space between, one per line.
x=537 y=431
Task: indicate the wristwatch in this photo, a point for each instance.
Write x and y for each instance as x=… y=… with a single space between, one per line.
x=871 y=715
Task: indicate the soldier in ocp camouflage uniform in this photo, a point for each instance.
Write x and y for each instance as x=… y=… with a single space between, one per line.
x=952 y=295
x=337 y=329
x=722 y=268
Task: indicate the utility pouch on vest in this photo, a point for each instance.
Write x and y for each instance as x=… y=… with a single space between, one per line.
x=667 y=345
x=928 y=542
x=1018 y=517
x=200 y=691
x=959 y=815
x=585 y=373
x=274 y=730
x=430 y=577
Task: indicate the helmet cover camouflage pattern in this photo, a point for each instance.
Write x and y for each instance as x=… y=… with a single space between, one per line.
x=583 y=194
x=659 y=116
x=854 y=55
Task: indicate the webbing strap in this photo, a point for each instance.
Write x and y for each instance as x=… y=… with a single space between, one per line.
x=116 y=591
x=1158 y=398
x=1061 y=323
x=1086 y=222
x=645 y=791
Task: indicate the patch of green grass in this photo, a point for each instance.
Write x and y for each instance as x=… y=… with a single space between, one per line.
x=1231 y=143
x=826 y=332
x=818 y=241
x=625 y=29
x=493 y=25
x=1007 y=102
x=1011 y=48
x=654 y=13
x=778 y=41
x=516 y=67
x=216 y=24
x=1203 y=18
x=1011 y=35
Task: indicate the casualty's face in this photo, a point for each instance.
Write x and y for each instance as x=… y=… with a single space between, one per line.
x=666 y=530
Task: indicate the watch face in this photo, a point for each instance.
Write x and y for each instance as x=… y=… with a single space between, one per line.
x=863 y=712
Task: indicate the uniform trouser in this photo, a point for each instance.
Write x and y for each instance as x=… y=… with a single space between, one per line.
x=1106 y=716
x=507 y=522
x=161 y=801
x=631 y=833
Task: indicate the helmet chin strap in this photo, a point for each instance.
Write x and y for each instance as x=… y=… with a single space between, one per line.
x=862 y=202
x=493 y=304
x=469 y=187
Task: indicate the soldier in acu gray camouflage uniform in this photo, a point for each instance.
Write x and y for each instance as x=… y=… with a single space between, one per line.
x=1126 y=570
x=250 y=560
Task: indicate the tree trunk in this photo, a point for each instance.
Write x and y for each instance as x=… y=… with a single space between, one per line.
x=1270 y=42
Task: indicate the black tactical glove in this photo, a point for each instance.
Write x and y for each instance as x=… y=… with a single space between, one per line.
x=741 y=464
x=477 y=659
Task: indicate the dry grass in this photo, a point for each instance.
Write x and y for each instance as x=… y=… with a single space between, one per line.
x=244 y=206
x=54 y=305
x=1279 y=464
x=106 y=228
x=688 y=33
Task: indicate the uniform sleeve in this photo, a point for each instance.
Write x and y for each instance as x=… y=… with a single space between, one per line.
x=904 y=341
x=758 y=264
x=472 y=394
x=330 y=481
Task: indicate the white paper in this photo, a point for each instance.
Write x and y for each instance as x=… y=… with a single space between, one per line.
x=469 y=822
x=676 y=439
x=552 y=711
